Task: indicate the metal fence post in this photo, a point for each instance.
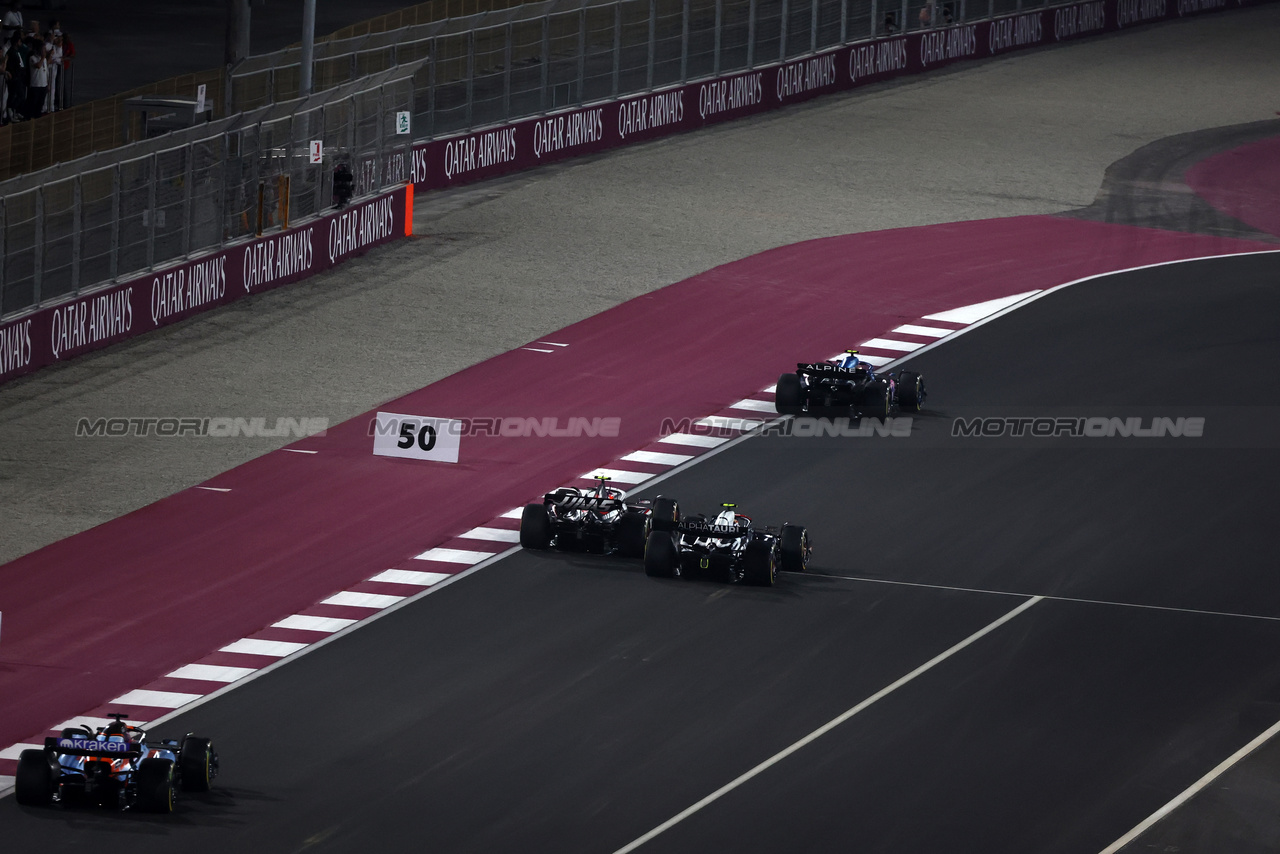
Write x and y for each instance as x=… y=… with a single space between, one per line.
x=582 y=53
x=38 y=260
x=715 y=62
x=77 y=223
x=844 y=20
x=546 y=61
x=151 y=208
x=813 y=28
x=751 y=34
x=318 y=204
x=991 y=8
x=506 y=74
x=4 y=219
x=684 y=42
x=782 y=23
x=187 y=179
x=617 y=45
x=653 y=41
x=471 y=73
x=431 y=89
x=902 y=22
x=114 y=267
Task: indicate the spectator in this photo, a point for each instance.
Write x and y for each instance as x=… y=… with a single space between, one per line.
x=16 y=65
x=53 y=50
x=890 y=23
x=926 y=16
x=38 y=87
x=12 y=21
x=343 y=184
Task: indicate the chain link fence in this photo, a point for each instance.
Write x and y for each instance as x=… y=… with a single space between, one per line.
x=127 y=210
x=130 y=209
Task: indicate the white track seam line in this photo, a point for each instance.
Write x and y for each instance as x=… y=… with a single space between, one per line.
x=1074 y=599
x=1192 y=790
x=830 y=725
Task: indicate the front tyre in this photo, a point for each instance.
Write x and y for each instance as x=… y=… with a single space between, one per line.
x=535 y=527
x=788 y=396
x=661 y=558
x=910 y=391
x=665 y=515
x=760 y=564
x=197 y=764
x=794 y=546
x=36 y=779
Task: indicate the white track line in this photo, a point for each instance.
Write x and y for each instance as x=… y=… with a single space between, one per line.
x=537 y=350
x=1192 y=790
x=1047 y=596
x=977 y=311
x=827 y=727
x=298 y=451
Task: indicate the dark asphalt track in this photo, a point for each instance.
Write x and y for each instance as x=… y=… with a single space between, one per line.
x=569 y=704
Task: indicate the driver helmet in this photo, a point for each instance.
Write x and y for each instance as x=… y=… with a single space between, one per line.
x=727 y=516
x=849 y=360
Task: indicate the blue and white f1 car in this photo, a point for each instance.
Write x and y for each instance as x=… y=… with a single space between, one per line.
x=728 y=547
x=114 y=766
x=848 y=385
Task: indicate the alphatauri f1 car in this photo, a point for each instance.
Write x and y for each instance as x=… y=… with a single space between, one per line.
x=728 y=547
x=114 y=766
x=848 y=386
x=598 y=520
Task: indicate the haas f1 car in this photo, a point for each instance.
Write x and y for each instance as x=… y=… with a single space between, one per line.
x=848 y=386
x=728 y=547
x=598 y=520
x=114 y=766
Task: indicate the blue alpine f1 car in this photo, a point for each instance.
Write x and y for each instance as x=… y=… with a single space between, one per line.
x=848 y=386
x=114 y=766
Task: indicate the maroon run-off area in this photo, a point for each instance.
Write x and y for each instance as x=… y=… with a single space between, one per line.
x=116 y=607
x=121 y=310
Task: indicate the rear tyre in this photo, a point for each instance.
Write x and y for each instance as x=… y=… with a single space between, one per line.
x=876 y=401
x=665 y=515
x=910 y=391
x=788 y=397
x=660 y=555
x=794 y=546
x=631 y=534
x=35 y=781
x=155 y=791
x=760 y=564
x=535 y=527
x=196 y=764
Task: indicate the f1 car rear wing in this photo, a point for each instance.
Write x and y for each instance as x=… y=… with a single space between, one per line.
x=584 y=502
x=823 y=369
x=94 y=747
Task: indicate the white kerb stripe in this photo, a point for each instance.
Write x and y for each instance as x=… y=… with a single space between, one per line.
x=159 y=699
x=254 y=646
x=693 y=440
x=512 y=514
x=657 y=459
x=409 y=576
x=6 y=782
x=979 y=310
x=828 y=726
x=875 y=360
x=498 y=535
x=773 y=389
x=891 y=344
x=210 y=672
x=14 y=751
x=754 y=405
x=721 y=422
x=352 y=599
x=454 y=556
x=620 y=475
x=305 y=623
x=928 y=331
